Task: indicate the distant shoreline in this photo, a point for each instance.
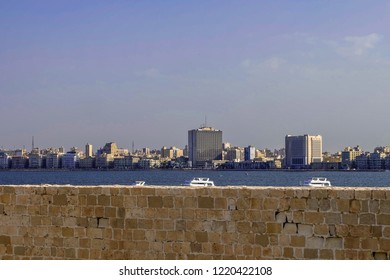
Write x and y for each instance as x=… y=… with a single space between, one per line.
x=186 y=170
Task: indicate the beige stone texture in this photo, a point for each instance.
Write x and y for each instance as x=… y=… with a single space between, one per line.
x=122 y=222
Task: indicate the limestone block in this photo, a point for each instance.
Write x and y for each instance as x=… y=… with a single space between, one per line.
x=270 y=203
x=379 y=194
x=363 y=194
x=332 y=218
x=370 y=244
x=148 y=191
x=345 y=193
x=312 y=204
x=221 y=203
x=298 y=253
x=104 y=200
x=288 y=253
x=190 y=202
x=266 y=216
x=341 y=230
x=284 y=204
x=310 y=253
x=315 y=242
x=384 y=245
x=92 y=200
x=355 y=206
x=281 y=217
x=168 y=201
x=349 y=219
x=5 y=198
x=20 y=250
x=326 y=254
x=334 y=243
x=367 y=219
x=109 y=212
x=342 y=205
x=155 y=201
x=386 y=231
x=384 y=206
x=262 y=240
x=103 y=222
x=243 y=203
x=305 y=229
x=290 y=228
x=383 y=219
x=142 y=202
x=284 y=240
x=298 y=204
x=324 y=204
x=273 y=228
x=5 y=240
x=302 y=193
x=258 y=227
x=318 y=193
x=67 y=232
x=351 y=243
x=313 y=218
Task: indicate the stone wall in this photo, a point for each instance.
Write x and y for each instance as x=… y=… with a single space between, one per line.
x=123 y=222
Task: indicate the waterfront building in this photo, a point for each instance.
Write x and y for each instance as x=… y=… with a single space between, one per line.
x=302 y=151
x=5 y=160
x=35 y=161
x=53 y=160
x=126 y=162
x=348 y=157
x=105 y=161
x=171 y=152
x=19 y=162
x=88 y=150
x=387 y=162
x=226 y=146
x=148 y=163
x=110 y=148
x=249 y=153
x=385 y=150
x=205 y=146
x=376 y=161
x=362 y=161
x=146 y=151
x=235 y=154
x=87 y=163
x=70 y=160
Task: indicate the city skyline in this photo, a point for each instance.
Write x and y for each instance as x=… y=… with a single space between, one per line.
x=73 y=73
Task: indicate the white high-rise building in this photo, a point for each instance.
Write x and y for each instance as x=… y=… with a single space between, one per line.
x=303 y=150
x=88 y=150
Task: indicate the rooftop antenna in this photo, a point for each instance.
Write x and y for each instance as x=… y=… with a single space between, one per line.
x=205 y=120
x=132 y=147
x=32 y=144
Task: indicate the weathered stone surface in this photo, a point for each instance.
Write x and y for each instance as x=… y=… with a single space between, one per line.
x=118 y=222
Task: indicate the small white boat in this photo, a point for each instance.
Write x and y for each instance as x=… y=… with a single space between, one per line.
x=203 y=182
x=139 y=183
x=317 y=181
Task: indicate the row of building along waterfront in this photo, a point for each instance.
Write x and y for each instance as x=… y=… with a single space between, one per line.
x=205 y=150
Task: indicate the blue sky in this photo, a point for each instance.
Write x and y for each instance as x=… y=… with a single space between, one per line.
x=73 y=72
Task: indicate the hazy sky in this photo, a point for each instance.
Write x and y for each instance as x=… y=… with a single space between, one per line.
x=73 y=72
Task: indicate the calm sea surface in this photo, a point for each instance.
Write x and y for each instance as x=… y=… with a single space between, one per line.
x=176 y=178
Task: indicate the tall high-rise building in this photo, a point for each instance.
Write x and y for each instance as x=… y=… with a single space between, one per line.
x=204 y=146
x=303 y=150
x=88 y=150
x=250 y=152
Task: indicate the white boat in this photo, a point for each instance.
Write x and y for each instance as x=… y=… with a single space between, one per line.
x=203 y=182
x=139 y=183
x=317 y=181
